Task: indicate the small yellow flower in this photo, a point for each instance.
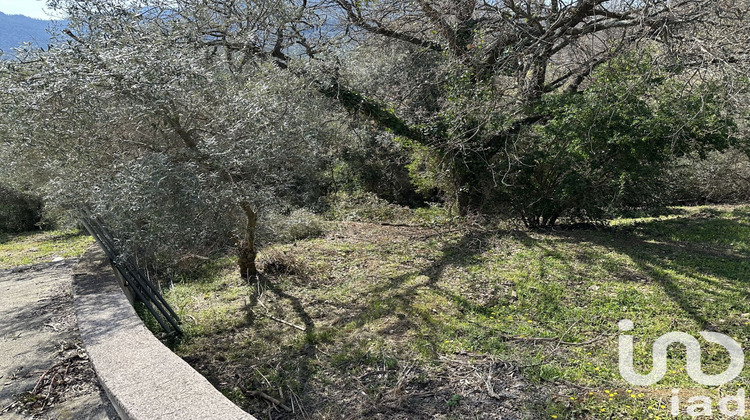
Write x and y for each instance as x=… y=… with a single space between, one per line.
x=553 y=416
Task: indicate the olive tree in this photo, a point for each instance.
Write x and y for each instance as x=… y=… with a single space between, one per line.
x=141 y=113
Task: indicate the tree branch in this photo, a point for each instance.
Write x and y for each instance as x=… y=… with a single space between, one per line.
x=360 y=21
x=358 y=103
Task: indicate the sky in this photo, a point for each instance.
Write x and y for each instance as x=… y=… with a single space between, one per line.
x=30 y=8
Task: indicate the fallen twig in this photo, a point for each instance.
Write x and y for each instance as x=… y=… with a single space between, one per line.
x=281 y=321
x=51 y=382
x=575 y=385
x=8 y=407
x=267 y=315
x=268 y=398
x=554 y=339
x=39 y=381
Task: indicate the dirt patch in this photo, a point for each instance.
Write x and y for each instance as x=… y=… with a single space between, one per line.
x=70 y=377
x=460 y=386
x=44 y=372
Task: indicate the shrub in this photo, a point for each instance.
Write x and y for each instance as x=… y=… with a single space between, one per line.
x=365 y=207
x=19 y=212
x=607 y=149
x=376 y=163
x=299 y=224
x=722 y=177
x=274 y=261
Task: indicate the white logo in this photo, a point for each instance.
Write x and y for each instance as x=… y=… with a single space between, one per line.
x=701 y=405
x=693 y=365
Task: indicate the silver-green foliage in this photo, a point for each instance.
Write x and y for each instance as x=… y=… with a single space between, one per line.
x=135 y=115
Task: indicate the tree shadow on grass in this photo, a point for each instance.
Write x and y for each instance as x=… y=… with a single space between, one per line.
x=686 y=257
x=695 y=261
x=406 y=307
x=688 y=272
x=67 y=235
x=398 y=295
x=298 y=359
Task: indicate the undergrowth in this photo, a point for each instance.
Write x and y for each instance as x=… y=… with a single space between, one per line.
x=374 y=321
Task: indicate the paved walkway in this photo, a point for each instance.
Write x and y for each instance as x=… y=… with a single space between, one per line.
x=44 y=372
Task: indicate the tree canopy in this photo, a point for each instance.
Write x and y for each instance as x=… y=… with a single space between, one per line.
x=187 y=119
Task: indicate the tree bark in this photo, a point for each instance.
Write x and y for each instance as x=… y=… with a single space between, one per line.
x=246 y=252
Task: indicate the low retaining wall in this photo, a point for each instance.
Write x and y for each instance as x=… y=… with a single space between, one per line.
x=143 y=378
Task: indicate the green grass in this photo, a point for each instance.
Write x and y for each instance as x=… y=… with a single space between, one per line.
x=388 y=300
x=38 y=247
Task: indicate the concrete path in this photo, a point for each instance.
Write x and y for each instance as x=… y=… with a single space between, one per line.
x=44 y=371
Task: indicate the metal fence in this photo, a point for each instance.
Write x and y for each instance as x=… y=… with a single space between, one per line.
x=140 y=284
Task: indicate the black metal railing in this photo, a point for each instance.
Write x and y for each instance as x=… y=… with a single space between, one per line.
x=143 y=288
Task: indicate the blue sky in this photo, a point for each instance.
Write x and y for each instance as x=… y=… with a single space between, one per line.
x=31 y=8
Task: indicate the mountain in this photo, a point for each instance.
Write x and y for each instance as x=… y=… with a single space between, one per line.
x=16 y=29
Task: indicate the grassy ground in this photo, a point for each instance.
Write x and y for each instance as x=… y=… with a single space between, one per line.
x=41 y=246
x=376 y=321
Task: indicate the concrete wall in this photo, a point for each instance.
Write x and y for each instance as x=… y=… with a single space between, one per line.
x=143 y=378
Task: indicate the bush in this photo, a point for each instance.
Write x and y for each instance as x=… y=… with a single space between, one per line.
x=607 y=149
x=365 y=207
x=720 y=178
x=375 y=163
x=19 y=212
x=298 y=225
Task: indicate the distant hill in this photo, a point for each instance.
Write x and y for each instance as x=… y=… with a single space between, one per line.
x=16 y=29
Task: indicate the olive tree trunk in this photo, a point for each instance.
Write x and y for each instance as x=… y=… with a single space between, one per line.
x=246 y=252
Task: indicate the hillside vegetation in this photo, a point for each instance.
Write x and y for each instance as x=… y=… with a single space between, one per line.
x=406 y=208
x=374 y=321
